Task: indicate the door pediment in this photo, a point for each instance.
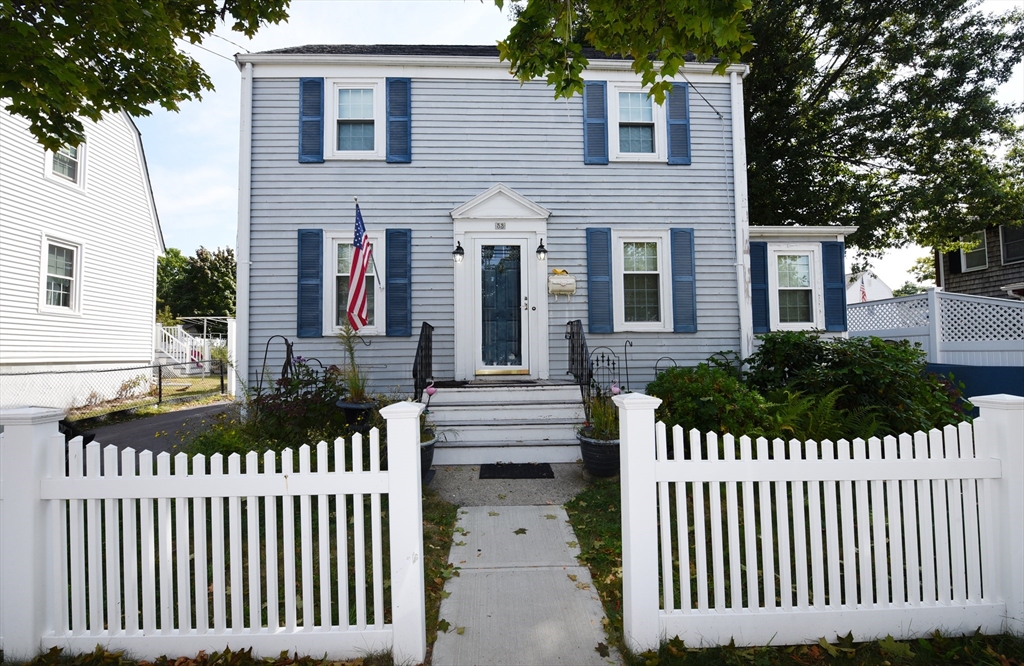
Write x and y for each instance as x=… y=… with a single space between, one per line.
x=500 y=203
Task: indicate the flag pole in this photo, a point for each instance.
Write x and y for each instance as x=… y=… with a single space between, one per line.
x=372 y=260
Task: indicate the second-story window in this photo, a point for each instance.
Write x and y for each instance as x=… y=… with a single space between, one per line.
x=65 y=163
x=636 y=123
x=355 y=119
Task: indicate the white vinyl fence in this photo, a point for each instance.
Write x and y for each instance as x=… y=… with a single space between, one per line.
x=273 y=553
x=958 y=329
x=774 y=542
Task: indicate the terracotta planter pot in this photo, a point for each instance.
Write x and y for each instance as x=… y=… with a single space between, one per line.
x=600 y=456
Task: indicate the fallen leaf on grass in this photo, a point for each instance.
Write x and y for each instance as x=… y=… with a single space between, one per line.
x=888 y=645
x=445 y=594
x=520 y=531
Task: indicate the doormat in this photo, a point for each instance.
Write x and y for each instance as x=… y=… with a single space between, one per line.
x=517 y=471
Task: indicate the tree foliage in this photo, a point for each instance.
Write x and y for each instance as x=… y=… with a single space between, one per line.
x=883 y=116
x=548 y=37
x=64 y=61
x=199 y=286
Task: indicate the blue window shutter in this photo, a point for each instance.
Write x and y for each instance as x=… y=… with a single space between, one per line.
x=599 y=280
x=595 y=123
x=684 y=288
x=398 y=282
x=759 y=287
x=399 y=117
x=678 y=110
x=311 y=283
x=311 y=120
x=834 y=278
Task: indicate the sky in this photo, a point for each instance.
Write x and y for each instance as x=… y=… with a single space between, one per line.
x=193 y=154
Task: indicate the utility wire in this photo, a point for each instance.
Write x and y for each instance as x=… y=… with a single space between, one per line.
x=230 y=42
x=203 y=48
x=697 y=90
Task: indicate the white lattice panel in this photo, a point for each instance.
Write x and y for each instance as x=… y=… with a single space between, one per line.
x=908 y=312
x=972 y=319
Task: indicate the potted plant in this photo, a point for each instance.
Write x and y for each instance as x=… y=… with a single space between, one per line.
x=357 y=403
x=599 y=436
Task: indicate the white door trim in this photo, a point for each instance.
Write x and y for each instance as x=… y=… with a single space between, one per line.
x=496 y=216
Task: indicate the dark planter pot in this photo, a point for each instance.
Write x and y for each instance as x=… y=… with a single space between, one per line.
x=600 y=456
x=357 y=414
x=427 y=457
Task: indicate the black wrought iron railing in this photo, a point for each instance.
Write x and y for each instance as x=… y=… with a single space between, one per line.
x=579 y=357
x=423 y=364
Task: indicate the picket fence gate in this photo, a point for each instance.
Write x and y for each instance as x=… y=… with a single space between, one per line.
x=279 y=557
x=793 y=541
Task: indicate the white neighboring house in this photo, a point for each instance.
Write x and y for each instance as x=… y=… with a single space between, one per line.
x=865 y=286
x=79 y=240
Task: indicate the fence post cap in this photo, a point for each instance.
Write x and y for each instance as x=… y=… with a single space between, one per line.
x=22 y=416
x=998 y=401
x=636 y=401
x=402 y=409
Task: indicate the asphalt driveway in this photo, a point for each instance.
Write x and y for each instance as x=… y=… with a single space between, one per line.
x=160 y=432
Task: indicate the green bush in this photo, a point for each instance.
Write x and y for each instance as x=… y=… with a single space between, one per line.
x=708 y=399
x=873 y=379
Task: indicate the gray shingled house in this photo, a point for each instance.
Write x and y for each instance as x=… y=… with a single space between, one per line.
x=607 y=208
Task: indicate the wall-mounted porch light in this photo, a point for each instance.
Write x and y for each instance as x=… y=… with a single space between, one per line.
x=542 y=252
x=458 y=254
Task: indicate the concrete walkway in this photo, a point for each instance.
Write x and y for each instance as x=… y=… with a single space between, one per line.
x=520 y=596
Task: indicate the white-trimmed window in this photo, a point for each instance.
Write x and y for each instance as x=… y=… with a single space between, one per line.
x=338 y=264
x=976 y=259
x=1011 y=242
x=356 y=126
x=61 y=283
x=637 y=128
x=642 y=282
x=795 y=284
x=67 y=165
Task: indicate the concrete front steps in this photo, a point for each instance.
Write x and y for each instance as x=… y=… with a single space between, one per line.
x=489 y=422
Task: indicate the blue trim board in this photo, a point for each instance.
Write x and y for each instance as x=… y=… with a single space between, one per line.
x=983 y=379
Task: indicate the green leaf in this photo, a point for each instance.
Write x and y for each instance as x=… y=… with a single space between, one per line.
x=443 y=626
x=890 y=646
x=520 y=531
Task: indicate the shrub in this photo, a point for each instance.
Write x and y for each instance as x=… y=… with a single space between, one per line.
x=708 y=399
x=872 y=378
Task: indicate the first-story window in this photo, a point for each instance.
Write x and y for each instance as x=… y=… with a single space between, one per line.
x=339 y=264
x=795 y=293
x=641 y=282
x=61 y=277
x=641 y=294
x=796 y=288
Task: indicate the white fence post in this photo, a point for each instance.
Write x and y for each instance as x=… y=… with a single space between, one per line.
x=408 y=614
x=24 y=525
x=232 y=343
x=640 y=605
x=934 y=327
x=999 y=435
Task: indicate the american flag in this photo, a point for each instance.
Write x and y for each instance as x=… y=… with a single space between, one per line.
x=863 y=291
x=357 y=275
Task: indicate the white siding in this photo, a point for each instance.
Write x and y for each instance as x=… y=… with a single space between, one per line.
x=467 y=136
x=111 y=218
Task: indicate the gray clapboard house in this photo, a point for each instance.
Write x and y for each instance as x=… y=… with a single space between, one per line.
x=640 y=207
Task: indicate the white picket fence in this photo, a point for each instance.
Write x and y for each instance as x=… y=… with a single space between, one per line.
x=795 y=541
x=96 y=550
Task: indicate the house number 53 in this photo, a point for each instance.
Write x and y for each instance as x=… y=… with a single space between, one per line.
x=499 y=226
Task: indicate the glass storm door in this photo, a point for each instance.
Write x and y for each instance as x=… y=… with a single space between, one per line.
x=504 y=307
